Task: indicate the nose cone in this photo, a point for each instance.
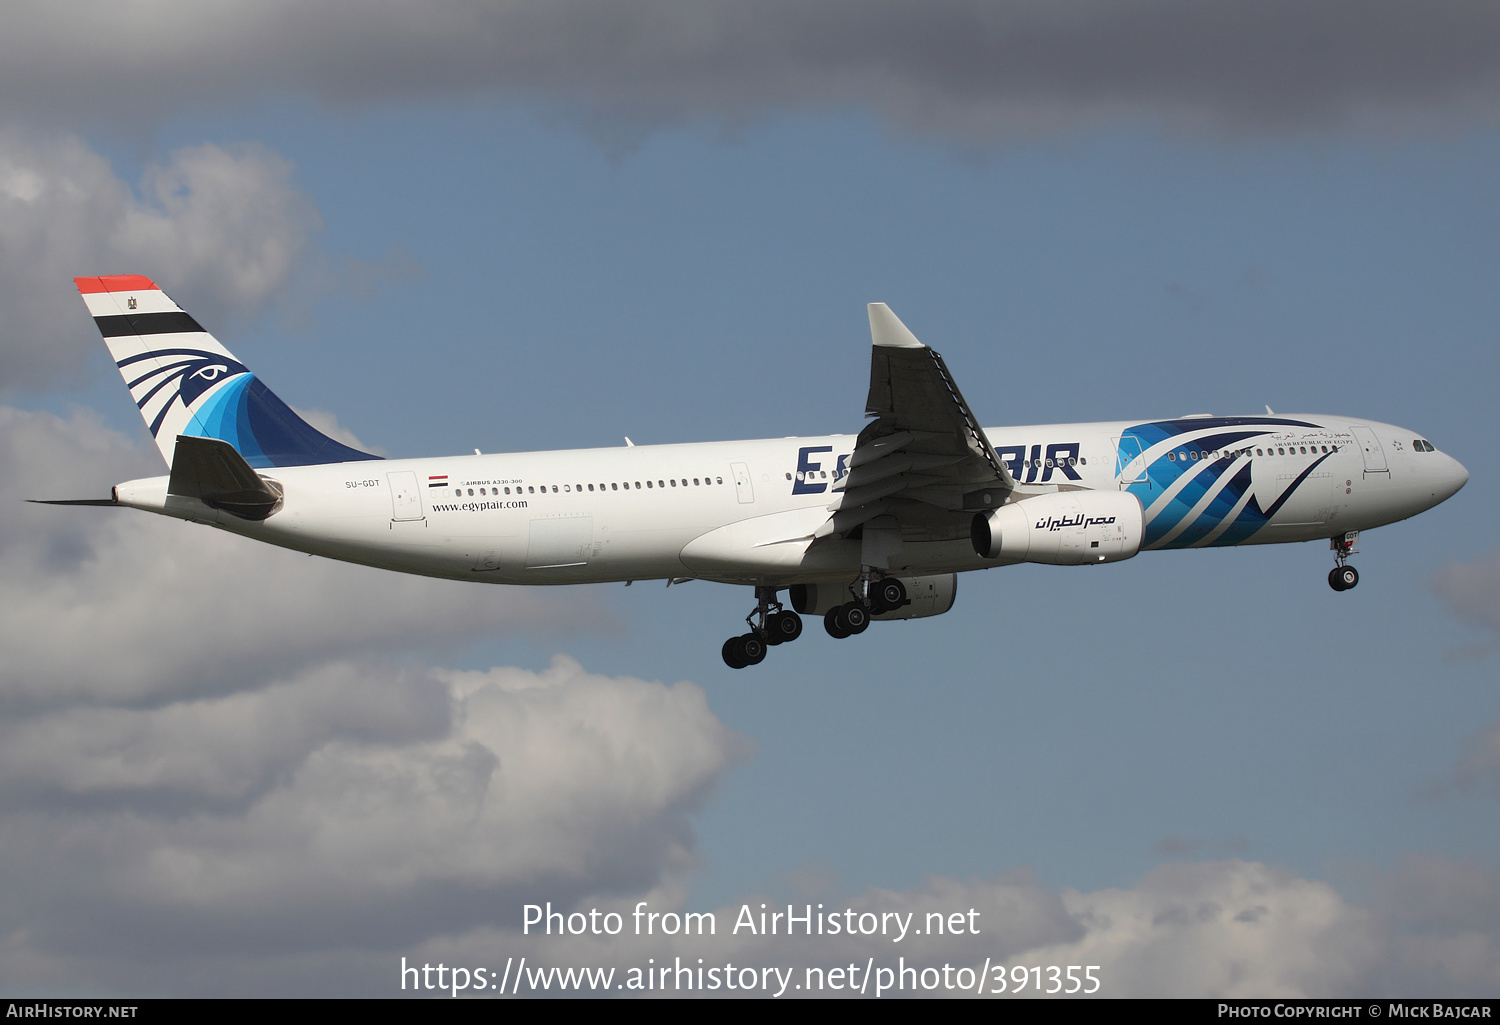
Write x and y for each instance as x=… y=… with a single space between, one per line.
x=1450 y=476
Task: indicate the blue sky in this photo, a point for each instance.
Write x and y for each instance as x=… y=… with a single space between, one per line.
x=513 y=267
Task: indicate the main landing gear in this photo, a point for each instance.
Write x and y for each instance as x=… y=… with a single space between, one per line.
x=1343 y=576
x=770 y=624
x=883 y=595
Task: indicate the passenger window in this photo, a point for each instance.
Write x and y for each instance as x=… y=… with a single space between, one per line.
x=554 y=489
x=660 y=483
x=720 y=480
x=458 y=492
x=695 y=482
x=471 y=492
x=614 y=487
x=638 y=485
x=591 y=487
x=648 y=484
x=1171 y=457
x=674 y=482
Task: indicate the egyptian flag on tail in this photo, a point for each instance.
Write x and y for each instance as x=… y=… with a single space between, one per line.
x=185 y=382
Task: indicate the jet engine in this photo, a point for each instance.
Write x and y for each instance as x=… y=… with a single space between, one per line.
x=1067 y=528
x=925 y=596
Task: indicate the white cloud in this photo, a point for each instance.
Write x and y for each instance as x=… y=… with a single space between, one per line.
x=1204 y=929
x=1231 y=929
x=223 y=229
x=120 y=606
x=386 y=806
x=212 y=746
x=328 y=424
x=1471 y=591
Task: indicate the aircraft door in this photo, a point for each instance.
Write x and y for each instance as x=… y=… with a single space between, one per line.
x=406 y=497
x=1130 y=463
x=742 y=487
x=560 y=541
x=1369 y=445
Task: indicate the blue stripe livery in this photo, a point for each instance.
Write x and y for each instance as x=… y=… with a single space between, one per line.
x=229 y=403
x=1189 y=457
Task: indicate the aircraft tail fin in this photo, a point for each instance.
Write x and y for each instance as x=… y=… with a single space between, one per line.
x=185 y=383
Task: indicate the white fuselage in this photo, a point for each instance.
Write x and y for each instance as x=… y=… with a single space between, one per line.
x=746 y=511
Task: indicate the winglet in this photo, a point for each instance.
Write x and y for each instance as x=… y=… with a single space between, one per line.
x=886 y=329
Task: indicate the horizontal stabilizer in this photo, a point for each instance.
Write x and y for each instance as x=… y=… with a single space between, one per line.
x=212 y=471
x=72 y=501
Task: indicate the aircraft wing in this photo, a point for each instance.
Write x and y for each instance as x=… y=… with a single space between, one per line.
x=924 y=456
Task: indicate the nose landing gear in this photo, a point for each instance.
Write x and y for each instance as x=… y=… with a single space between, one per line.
x=769 y=624
x=1343 y=576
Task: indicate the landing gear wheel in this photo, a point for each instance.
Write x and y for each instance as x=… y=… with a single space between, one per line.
x=855 y=616
x=782 y=627
x=1343 y=577
x=753 y=649
x=889 y=595
x=833 y=622
x=733 y=652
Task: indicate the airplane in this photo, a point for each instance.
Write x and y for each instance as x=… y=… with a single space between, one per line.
x=853 y=527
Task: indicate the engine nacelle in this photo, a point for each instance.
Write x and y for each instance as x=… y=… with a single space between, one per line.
x=1068 y=528
x=928 y=596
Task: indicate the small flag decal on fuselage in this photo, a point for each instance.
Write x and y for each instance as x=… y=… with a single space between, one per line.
x=440 y=481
